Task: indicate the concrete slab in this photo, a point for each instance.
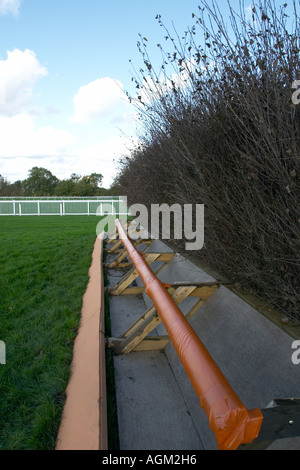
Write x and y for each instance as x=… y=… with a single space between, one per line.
x=157 y=406
x=152 y=412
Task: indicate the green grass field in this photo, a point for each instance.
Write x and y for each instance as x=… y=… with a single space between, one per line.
x=44 y=263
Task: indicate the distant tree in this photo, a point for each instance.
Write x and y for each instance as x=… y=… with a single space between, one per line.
x=16 y=188
x=80 y=186
x=75 y=178
x=40 y=182
x=95 y=179
x=65 y=188
x=3 y=184
x=103 y=192
x=8 y=189
x=84 y=188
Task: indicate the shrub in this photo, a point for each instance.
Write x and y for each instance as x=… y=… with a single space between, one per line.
x=221 y=129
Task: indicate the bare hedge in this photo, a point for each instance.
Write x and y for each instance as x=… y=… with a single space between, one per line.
x=222 y=128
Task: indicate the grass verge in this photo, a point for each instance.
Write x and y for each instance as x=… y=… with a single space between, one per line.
x=44 y=264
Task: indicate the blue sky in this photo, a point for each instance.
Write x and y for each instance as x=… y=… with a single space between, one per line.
x=63 y=66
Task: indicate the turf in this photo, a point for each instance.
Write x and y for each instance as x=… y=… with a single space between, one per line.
x=44 y=263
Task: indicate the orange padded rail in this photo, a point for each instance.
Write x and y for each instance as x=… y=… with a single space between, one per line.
x=232 y=423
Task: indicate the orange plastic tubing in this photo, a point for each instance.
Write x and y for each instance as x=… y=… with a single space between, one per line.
x=232 y=423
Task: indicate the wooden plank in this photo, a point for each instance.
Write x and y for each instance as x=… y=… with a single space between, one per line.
x=128 y=343
x=150 y=257
x=112 y=342
x=182 y=292
x=145 y=242
x=146 y=328
x=129 y=277
x=178 y=296
x=119 y=250
x=124 y=282
x=159 y=256
x=146 y=324
x=134 y=335
x=118 y=259
x=132 y=274
x=135 y=290
x=203 y=292
x=110 y=241
x=115 y=246
x=139 y=322
x=153 y=343
x=124 y=265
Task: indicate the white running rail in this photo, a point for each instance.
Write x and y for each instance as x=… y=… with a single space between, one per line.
x=19 y=207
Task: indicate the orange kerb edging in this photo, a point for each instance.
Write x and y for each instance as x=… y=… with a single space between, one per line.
x=84 y=424
x=232 y=423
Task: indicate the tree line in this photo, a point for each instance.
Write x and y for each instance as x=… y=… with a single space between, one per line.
x=41 y=182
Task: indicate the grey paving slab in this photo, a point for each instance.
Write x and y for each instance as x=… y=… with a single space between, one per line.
x=152 y=412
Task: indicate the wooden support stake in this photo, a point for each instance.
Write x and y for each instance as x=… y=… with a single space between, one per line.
x=136 y=337
x=118 y=259
x=115 y=246
x=153 y=343
x=122 y=255
x=134 y=290
x=128 y=343
x=204 y=292
x=126 y=280
x=146 y=324
x=129 y=277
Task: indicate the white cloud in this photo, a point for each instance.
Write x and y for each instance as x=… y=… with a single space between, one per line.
x=24 y=145
x=10 y=7
x=20 y=137
x=18 y=74
x=97 y=99
x=102 y=157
